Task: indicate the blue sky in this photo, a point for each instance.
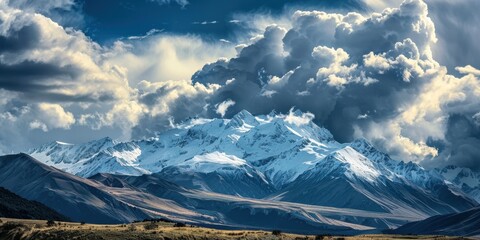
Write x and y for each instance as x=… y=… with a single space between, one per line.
x=402 y=73
x=110 y=19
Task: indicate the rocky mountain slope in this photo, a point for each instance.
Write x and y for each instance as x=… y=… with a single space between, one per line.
x=456 y=224
x=72 y=196
x=346 y=178
x=106 y=198
x=14 y=206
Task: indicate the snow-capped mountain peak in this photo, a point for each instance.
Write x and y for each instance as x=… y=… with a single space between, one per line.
x=243 y=119
x=272 y=150
x=351 y=163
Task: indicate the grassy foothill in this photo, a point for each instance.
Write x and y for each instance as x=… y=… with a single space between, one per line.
x=51 y=230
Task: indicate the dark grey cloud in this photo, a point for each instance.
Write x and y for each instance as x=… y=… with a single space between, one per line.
x=20 y=40
x=45 y=82
x=47 y=62
x=280 y=51
x=46 y=70
x=461 y=144
x=169 y=102
x=455 y=25
x=360 y=76
x=371 y=76
x=31 y=76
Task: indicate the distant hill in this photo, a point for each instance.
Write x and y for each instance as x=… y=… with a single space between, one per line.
x=456 y=224
x=72 y=196
x=14 y=206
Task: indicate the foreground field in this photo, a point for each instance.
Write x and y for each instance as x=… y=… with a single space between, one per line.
x=39 y=229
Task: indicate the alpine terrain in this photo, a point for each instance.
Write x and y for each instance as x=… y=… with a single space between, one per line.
x=269 y=171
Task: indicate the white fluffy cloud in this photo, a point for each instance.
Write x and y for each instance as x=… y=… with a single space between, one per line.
x=222 y=107
x=163 y=57
x=299 y=118
x=53 y=62
x=57 y=78
x=340 y=67
x=52 y=116
x=17 y=122
x=468 y=70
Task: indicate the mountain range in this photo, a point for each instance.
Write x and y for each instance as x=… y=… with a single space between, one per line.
x=268 y=171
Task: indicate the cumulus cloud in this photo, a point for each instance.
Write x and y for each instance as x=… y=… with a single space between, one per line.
x=361 y=75
x=19 y=119
x=453 y=21
x=169 y=101
x=222 y=107
x=299 y=118
x=53 y=116
x=468 y=70
x=52 y=75
x=164 y=57
x=41 y=59
x=59 y=80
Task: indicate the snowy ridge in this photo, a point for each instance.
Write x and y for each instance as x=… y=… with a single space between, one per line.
x=268 y=150
x=463 y=178
x=357 y=165
x=253 y=140
x=219 y=162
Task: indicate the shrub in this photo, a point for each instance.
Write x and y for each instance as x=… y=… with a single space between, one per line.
x=132 y=228
x=321 y=237
x=150 y=226
x=12 y=225
x=50 y=223
x=179 y=224
x=276 y=232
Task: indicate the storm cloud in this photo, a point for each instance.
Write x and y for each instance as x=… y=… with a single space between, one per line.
x=383 y=76
x=349 y=70
x=362 y=76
